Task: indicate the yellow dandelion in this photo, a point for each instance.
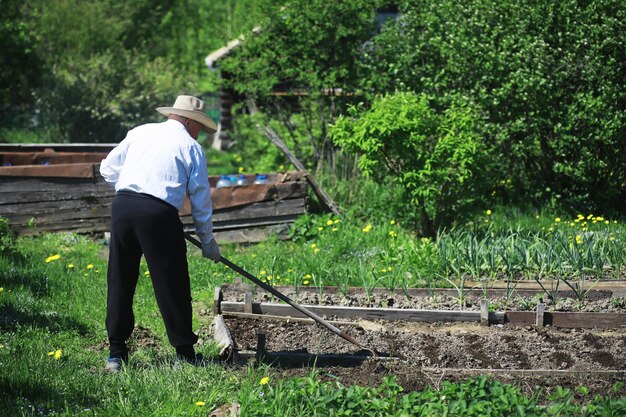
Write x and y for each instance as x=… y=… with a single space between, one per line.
x=329 y=223
x=367 y=228
x=392 y=222
x=307 y=276
x=336 y=221
x=290 y=270
x=316 y=250
x=262 y=272
x=56 y=353
x=389 y=268
x=200 y=403
x=313 y=245
x=269 y=277
x=392 y=233
x=264 y=380
x=52 y=258
x=90 y=266
x=589 y=217
x=557 y=219
x=606 y=222
x=70 y=266
x=335 y=229
x=238 y=158
x=488 y=212
x=241 y=170
x=319 y=229
x=1 y=289
x=1 y=346
x=306 y=282
x=383 y=270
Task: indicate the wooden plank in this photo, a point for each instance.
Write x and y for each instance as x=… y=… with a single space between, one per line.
x=76 y=170
x=585 y=320
x=580 y=320
x=89 y=207
x=252 y=234
x=10 y=186
x=243 y=195
x=269 y=317
x=49 y=157
x=359 y=312
x=65 y=147
x=262 y=209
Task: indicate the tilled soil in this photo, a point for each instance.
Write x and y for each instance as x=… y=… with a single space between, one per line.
x=447 y=345
x=428 y=354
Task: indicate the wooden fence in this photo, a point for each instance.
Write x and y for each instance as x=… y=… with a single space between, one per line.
x=59 y=189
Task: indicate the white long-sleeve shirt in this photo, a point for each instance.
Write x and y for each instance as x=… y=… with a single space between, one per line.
x=163 y=160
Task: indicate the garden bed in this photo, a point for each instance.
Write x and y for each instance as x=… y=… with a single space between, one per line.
x=424 y=353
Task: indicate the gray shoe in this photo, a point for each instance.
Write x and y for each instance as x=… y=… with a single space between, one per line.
x=113 y=364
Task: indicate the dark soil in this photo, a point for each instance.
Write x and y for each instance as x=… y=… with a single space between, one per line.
x=428 y=354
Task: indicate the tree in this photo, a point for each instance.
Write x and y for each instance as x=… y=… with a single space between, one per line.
x=301 y=68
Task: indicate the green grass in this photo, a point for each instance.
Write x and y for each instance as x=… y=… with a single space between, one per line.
x=53 y=339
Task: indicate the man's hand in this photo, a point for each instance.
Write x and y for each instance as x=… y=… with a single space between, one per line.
x=211 y=250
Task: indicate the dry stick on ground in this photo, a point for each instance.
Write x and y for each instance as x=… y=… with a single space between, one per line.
x=276 y=140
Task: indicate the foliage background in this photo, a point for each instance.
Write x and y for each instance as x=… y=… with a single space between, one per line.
x=544 y=81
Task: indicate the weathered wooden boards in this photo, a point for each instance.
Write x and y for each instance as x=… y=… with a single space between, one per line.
x=43 y=198
x=538 y=318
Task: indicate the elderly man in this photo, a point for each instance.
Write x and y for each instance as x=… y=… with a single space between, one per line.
x=152 y=170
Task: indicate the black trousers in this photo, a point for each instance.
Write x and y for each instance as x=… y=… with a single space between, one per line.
x=143 y=224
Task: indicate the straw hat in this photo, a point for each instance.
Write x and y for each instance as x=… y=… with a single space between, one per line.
x=192 y=108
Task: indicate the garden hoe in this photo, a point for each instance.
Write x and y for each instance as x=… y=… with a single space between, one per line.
x=284 y=298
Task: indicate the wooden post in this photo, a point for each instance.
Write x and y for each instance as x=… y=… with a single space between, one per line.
x=539 y=319
x=260 y=347
x=217 y=301
x=484 y=312
x=247 y=302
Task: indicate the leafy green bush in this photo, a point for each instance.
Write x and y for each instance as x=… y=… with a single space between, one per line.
x=438 y=158
x=549 y=75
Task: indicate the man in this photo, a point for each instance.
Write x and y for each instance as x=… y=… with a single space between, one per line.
x=153 y=169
